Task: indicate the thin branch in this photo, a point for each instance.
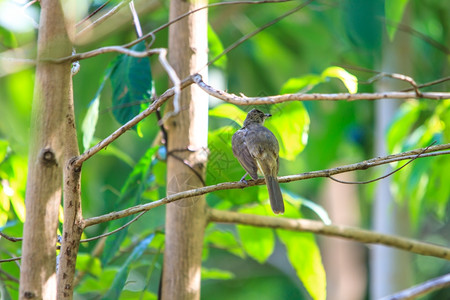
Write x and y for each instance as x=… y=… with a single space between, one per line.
x=348 y=232
x=421 y=289
x=252 y=34
x=10 y=238
x=9 y=277
x=10 y=259
x=108 y=49
x=114 y=231
x=384 y=176
x=146 y=36
x=92 y=13
x=153 y=107
x=244 y=100
x=240 y=185
x=399 y=77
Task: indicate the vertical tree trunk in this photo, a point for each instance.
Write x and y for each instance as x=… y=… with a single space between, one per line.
x=390 y=268
x=187 y=131
x=73 y=219
x=43 y=195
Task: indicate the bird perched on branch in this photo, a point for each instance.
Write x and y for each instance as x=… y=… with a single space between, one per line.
x=256 y=148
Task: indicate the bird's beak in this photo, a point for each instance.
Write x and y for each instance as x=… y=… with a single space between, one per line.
x=267 y=116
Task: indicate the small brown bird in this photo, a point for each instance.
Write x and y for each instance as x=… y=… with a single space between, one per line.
x=256 y=148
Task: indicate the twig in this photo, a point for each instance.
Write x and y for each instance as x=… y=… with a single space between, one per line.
x=384 y=176
x=348 y=232
x=92 y=13
x=155 y=105
x=421 y=289
x=240 y=185
x=146 y=36
x=399 y=77
x=244 y=100
x=10 y=238
x=252 y=34
x=137 y=23
x=10 y=259
x=9 y=277
x=114 y=231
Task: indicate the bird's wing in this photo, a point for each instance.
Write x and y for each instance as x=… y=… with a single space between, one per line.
x=263 y=147
x=241 y=152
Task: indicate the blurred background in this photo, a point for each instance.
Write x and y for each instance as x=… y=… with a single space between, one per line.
x=322 y=48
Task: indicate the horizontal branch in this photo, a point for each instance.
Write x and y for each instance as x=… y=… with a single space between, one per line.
x=240 y=185
x=244 y=100
x=421 y=289
x=348 y=232
x=130 y=124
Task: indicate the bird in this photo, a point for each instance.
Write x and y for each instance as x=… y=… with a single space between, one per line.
x=256 y=148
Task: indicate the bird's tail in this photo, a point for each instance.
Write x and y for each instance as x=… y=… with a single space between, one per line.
x=276 y=199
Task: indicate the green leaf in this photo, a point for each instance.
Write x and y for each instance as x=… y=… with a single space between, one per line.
x=394 y=10
x=121 y=277
x=224 y=240
x=88 y=263
x=89 y=122
x=131 y=80
x=401 y=125
x=216 y=274
x=91 y=118
x=304 y=255
x=295 y=85
x=98 y=285
x=229 y=111
x=131 y=194
x=116 y=152
x=258 y=243
x=350 y=81
x=215 y=48
x=290 y=124
x=4 y=149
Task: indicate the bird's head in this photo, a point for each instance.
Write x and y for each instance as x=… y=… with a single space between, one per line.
x=256 y=116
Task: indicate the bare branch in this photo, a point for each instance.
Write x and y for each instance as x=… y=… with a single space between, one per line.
x=153 y=107
x=240 y=185
x=10 y=259
x=348 y=232
x=421 y=289
x=244 y=100
x=114 y=231
x=10 y=238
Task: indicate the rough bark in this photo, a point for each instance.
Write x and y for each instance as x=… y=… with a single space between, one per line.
x=187 y=130
x=73 y=219
x=43 y=195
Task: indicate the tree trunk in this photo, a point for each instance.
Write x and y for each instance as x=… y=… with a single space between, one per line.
x=45 y=161
x=187 y=131
x=390 y=268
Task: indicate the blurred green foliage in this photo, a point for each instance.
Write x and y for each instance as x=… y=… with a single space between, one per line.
x=306 y=52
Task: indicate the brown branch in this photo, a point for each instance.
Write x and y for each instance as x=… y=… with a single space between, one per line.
x=421 y=289
x=10 y=259
x=10 y=238
x=153 y=107
x=348 y=232
x=240 y=185
x=244 y=100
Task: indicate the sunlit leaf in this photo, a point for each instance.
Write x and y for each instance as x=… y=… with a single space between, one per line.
x=121 y=277
x=215 y=48
x=4 y=145
x=304 y=255
x=295 y=85
x=229 y=111
x=131 y=80
x=394 y=10
x=216 y=274
x=258 y=243
x=89 y=264
x=350 y=81
x=93 y=285
x=290 y=124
